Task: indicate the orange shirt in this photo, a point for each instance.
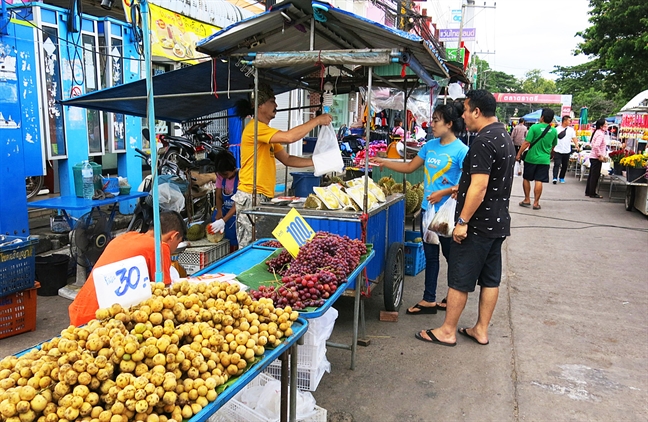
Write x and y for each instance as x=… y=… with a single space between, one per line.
x=128 y=245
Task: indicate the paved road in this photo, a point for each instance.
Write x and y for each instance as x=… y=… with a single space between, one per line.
x=568 y=342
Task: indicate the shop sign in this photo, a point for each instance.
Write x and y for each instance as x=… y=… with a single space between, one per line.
x=124 y=282
x=530 y=98
x=452 y=34
x=293 y=232
x=174 y=36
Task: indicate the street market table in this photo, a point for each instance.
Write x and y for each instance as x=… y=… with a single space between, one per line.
x=74 y=203
x=243 y=259
x=635 y=194
x=287 y=350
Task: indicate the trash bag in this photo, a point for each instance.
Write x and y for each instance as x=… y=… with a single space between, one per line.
x=443 y=222
x=327 y=157
x=428 y=235
x=170 y=197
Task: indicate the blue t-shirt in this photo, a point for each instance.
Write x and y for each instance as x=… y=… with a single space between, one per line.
x=442 y=166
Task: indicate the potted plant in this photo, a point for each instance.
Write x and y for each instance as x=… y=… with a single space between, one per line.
x=636 y=167
x=617 y=156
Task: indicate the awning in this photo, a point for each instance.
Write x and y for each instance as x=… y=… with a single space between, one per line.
x=287 y=27
x=188 y=93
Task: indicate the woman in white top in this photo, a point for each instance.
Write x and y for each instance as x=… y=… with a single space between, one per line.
x=562 y=150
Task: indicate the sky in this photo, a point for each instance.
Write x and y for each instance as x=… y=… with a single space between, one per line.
x=522 y=34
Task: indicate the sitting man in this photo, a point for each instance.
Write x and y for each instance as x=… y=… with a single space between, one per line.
x=129 y=245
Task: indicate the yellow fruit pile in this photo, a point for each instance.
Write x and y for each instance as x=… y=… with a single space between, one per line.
x=159 y=361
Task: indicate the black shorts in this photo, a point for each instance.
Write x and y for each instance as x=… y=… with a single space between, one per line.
x=537 y=172
x=476 y=260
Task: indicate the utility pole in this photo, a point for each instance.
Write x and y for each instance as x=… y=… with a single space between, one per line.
x=471 y=4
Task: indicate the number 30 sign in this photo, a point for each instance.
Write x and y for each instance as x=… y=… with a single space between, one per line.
x=124 y=282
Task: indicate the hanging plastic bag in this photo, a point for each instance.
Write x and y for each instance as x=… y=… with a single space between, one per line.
x=517 y=170
x=428 y=235
x=170 y=197
x=327 y=156
x=443 y=222
x=269 y=402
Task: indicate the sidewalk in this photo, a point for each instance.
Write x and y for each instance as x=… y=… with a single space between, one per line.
x=568 y=341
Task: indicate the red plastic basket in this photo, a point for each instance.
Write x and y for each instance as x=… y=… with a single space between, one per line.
x=18 y=312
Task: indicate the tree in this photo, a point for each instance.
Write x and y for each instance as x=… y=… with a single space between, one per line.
x=496 y=81
x=618 y=42
x=534 y=83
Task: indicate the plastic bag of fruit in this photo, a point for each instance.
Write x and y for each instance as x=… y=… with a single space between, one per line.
x=428 y=235
x=443 y=222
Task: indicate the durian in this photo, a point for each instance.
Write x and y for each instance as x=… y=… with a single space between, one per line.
x=397 y=188
x=196 y=232
x=312 y=202
x=411 y=201
x=386 y=181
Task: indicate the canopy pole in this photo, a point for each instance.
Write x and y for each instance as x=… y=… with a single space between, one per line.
x=312 y=34
x=146 y=39
x=256 y=144
x=365 y=206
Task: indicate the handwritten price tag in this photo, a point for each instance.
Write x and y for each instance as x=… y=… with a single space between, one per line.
x=124 y=282
x=293 y=232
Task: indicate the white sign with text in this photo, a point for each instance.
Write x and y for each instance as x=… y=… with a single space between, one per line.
x=124 y=282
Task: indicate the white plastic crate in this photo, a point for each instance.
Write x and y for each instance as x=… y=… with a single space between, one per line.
x=195 y=259
x=307 y=378
x=236 y=411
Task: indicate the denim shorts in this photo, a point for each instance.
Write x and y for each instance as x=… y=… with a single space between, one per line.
x=476 y=260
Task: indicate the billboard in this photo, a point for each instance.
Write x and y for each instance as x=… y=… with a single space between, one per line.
x=452 y=34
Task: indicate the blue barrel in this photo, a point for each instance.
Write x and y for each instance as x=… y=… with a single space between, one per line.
x=303 y=183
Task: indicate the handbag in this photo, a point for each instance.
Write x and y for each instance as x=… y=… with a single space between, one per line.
x=544 y=132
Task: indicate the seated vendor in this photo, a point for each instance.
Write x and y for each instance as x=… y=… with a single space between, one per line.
x=398 y=128
x=129 y=245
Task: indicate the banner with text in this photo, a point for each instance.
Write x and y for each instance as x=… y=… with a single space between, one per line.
x=452 y=34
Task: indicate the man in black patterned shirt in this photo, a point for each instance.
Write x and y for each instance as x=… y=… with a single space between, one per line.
x=482 y=222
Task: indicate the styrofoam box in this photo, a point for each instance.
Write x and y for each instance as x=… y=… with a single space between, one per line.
x=307 y=378
x=235 y=411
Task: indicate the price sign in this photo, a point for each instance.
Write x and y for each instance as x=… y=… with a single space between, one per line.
x=293 y=232
x=124 y=282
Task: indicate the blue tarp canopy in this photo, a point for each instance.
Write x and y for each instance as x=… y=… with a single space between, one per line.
x=534 y=117
x=188 y=93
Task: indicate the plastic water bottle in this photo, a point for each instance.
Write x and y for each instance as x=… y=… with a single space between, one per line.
x=88 y=180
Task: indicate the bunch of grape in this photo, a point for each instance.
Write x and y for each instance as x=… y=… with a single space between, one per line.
x=300 y=291
x=279 y=264
x=326 y=251
x=271 y=244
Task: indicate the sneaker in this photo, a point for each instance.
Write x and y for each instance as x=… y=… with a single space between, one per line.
x=555 y=181
x=562 y=180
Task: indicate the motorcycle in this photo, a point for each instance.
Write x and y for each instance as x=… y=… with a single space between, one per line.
x=179 y=165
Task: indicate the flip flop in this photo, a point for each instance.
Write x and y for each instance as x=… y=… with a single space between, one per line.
x=423 y=310
x=433 y=339
x=525 y=204
x=442 y=308
x=463 y=332
x=537 y=207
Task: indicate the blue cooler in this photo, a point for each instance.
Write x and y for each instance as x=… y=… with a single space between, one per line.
x=303 y=183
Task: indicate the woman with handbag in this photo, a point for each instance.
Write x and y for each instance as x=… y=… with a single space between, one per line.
x=442 y=158
x=596 y=158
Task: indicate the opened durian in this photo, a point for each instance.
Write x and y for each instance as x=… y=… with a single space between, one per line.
x=312 y=202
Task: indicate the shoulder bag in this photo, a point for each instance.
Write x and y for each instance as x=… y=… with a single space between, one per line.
x=544 y=132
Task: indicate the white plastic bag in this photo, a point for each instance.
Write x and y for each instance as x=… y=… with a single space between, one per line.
x=517 y=170
x=428 y=235
x=170 y=197
x=327 y=156
x=269 y=402
x=443 y=222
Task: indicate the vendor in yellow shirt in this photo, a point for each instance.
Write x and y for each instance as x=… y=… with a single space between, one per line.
x=269 y=147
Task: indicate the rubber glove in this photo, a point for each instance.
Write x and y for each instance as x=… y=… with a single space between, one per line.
x=217 y=226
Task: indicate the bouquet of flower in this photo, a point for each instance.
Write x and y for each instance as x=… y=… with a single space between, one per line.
x=618 y=155
x=634 y=161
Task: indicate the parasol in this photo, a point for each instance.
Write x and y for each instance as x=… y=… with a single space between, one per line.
x=582 y=122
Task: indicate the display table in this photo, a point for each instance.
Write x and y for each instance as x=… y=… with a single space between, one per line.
x=286 y=350
x=74 y=203
x=636 y=194
x=251 y=255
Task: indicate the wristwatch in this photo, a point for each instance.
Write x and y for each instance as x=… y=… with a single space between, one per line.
x=461 y=222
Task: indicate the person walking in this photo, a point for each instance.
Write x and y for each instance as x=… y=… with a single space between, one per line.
x=596 y=158
x=562 y=151
x=442 y=157
x=519 y=134
x=269 y=147
x=482 y=222
x=540 y=140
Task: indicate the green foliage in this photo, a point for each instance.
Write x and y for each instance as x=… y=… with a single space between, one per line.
x=618 y=43
x=534 y=83
x=497 y=81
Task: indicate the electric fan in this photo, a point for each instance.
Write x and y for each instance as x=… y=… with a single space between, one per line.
x=90 y=237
